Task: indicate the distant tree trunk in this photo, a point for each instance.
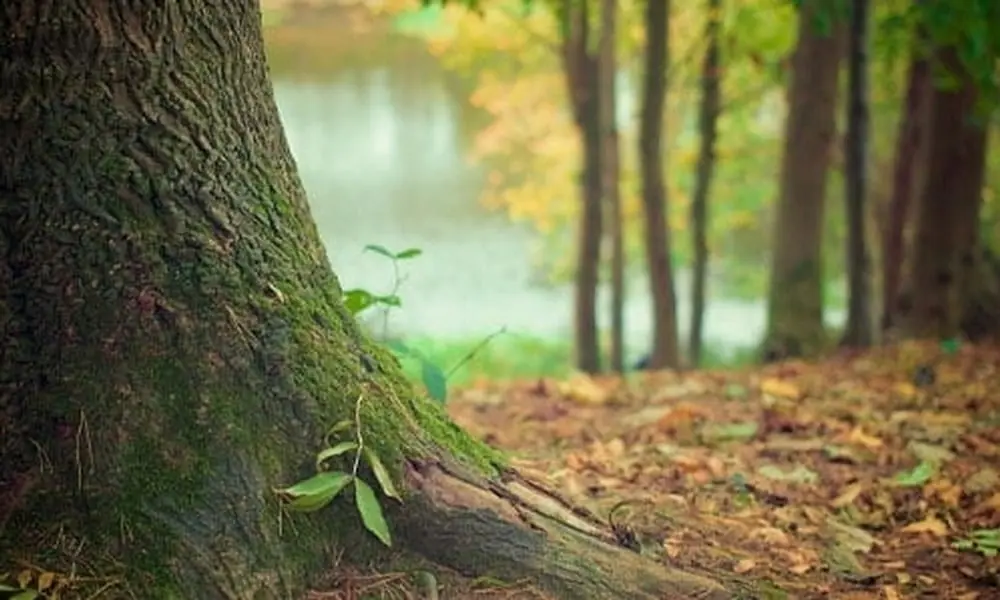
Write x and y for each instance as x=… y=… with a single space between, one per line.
x=944 y=254
x=795 y=298
x=582 y=78
x=909 y=149
x=858 y=331
x=175 y=345
x=657 y=226
x=610 y=180
x=708 y=117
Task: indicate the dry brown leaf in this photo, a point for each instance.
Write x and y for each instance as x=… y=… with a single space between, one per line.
x=859 y=437
x=744 y=566
x=584 y=390
x=931 y=525
x=780 y=388
x=890 y=592
x=848 y=496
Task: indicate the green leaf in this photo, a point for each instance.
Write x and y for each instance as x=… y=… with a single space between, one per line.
x=332 y=451
x=381 y=474
x=371 y=512
x=357 y=300
x=26 y=595
x=377 y=249
x=400 y=348
x=316 y=492
x=918 y=476
x=434 y=380
x=950 y=346
x=409 y=253
x=340 y=426
x=391 y=300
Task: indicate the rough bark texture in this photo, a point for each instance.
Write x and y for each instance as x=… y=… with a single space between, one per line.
x=708 y=117
x=909 y=144
x=174 y=344
x=657 y=226
x=795 y=298
x=858 y=330
x=608 y=71
x=944 y=255
x=581 y=68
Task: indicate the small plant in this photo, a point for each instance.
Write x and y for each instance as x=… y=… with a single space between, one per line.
x=319 y=490
x=30 y=584
x=983 y=541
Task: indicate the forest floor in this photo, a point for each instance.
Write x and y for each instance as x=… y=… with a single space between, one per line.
x=872 y=475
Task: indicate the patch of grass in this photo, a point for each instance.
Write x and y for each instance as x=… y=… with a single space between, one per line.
x=517 y=356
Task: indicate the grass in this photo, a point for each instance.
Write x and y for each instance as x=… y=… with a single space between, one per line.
x=514 y=356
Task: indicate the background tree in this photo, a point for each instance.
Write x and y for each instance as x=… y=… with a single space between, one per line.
x=858 y=331
x=708 y=117
x=657 y=224
x=795 y=297
x=176 y=346
x=608 y=73
x=581 y=68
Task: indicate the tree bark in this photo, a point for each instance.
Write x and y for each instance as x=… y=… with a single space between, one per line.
x=944 y=254
x=708 y=117
x=610 y=180
x=657 y=224
x=175 y=346
x=858 y=330
x=795 y=298
x=581 y=68
x=909 y=148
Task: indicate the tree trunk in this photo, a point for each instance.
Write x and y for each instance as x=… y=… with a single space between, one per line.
x=795 y=298
x=944 y=251
x=858 y=331
x=708 y=117
x=581 y=68
x=175 y=346
x=657 y=226
x=909 y=149
x=610 y=180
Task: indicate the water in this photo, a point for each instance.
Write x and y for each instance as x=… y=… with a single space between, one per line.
x=381 y=144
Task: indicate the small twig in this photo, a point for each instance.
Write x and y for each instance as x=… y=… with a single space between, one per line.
x=475 y=350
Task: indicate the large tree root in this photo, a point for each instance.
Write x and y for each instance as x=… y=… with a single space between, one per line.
x=513 y=529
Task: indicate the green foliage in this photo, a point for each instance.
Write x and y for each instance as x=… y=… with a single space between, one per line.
x=982 y=541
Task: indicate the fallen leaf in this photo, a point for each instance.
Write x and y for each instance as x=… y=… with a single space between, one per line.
x=744 y=566
x=780 y=388
x=931 y=525
x=848 y=496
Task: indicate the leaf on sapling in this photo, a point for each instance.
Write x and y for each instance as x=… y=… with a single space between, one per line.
x=391 y=300
x=381 y=474
x=316 y=492
x=26 y=595
x=377 y=249
x=357 y=300
x=409 y=253
x=340 y=426
x=434 y=380
x=335 y=450
x=371 y=512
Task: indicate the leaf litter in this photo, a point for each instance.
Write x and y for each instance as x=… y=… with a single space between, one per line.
x=866 y=475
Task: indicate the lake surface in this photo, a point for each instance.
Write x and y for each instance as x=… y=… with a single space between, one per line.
x=381 y=136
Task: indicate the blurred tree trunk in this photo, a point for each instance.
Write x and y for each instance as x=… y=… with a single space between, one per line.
x=858 y=331
x=708 y=117
x=795 y=298
x=175 y=345
x=657 y=225
x=944 y=255
x=909 y=149
x=581 y=67
x=610 y=179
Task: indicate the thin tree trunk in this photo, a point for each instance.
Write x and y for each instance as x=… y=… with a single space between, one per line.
x=909 y=145
x=858 y=331
x=657 y=225
x=795 y=298
x=610 y=180
x=944 y=249
x=708 y=116
x=581 y=68
x=175 y=345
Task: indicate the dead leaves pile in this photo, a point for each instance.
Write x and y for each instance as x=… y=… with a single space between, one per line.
x=865 y=476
